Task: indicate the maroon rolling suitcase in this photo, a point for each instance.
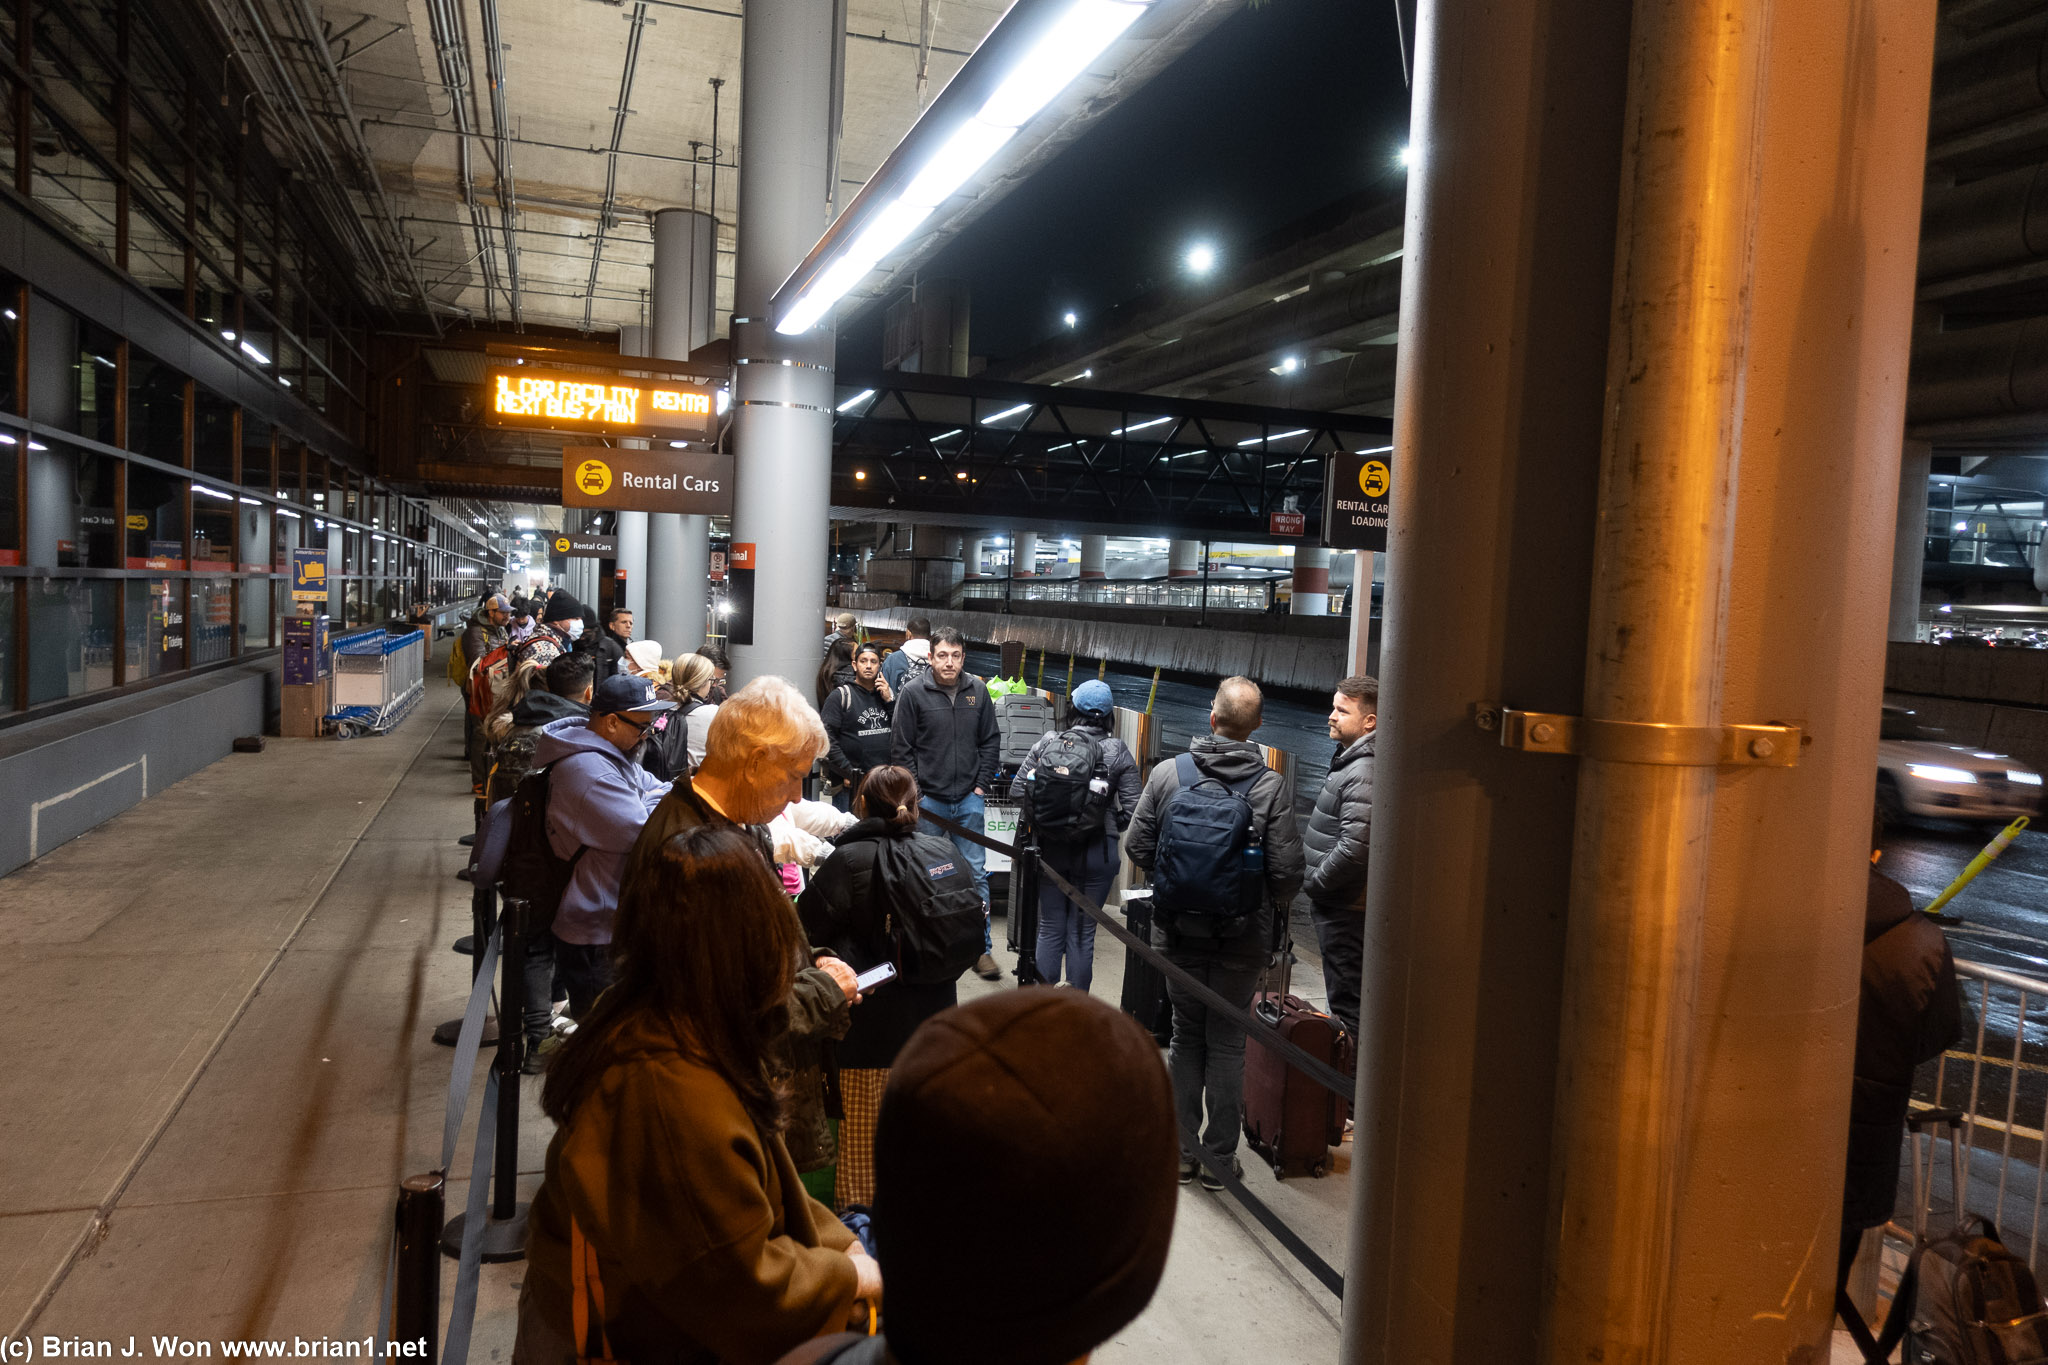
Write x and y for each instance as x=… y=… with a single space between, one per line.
x=1290 y=1120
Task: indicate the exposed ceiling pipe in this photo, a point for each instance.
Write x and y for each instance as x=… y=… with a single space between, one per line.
x=451 y=54
x=1371 y=294
x=1998 y=221
x=1992 y=82
x=494 y=70
x=1980 y=372
x=620 y=112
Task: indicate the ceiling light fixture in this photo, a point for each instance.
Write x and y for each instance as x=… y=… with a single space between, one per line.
x=857 y=399
x=1276 y=436
x=254 y=354
x=1006 y=413
x=1201 y=258
x=1072 y=319
x=1034 y=53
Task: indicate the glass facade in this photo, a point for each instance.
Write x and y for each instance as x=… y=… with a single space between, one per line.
x=148 y=522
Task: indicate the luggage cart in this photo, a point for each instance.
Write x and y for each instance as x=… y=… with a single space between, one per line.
x=379 y=678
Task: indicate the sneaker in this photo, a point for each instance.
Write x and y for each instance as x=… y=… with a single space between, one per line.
x=536 y=1062
x=1188 y=1167
x=1212 y=1184
x=467 y=841
x=987 y=969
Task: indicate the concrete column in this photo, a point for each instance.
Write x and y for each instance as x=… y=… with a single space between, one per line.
x=1517 y=123
x=1311 y=595
x=1094 y=556
x=1184 y=559
x=782 y=429
x=684 y=302
x=971 y=552
x=631 y=559
x=1023 y=554
x=1909 y=541
x=1360 y=656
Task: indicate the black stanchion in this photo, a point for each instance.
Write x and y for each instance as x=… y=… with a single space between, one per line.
x=1023 y=911
x=416 y=1304
x=483 y=918
x=504 y=1235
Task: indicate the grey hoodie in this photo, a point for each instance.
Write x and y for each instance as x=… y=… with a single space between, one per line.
x=1272 y=803
x=598 y=798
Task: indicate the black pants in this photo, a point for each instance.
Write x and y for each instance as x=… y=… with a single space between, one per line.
x=1341 y=936
x=585 y=969
x=540 y=987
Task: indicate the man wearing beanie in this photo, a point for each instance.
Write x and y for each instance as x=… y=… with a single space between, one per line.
x=1086 y=853
x=1026 y=1083
x=561 y=625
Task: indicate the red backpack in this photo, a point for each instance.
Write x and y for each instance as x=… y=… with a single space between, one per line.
x=494 y=670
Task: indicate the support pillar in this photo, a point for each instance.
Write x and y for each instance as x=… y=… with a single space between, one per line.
x=1517 y=121
x=1094 y=556
x=684 y=302
x=1184 y=559
x=1311 y=594
x=782 y=428
x=1359 y=654
x=1023 y=554
x=631 y=558
x=1909 y=541
x=972 y=551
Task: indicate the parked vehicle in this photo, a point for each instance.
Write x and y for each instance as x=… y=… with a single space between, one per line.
x=1922 y=775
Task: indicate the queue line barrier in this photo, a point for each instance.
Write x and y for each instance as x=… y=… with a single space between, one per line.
x=1029 y=864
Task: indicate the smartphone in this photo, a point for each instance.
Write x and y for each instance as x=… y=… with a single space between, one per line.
x=870 y=979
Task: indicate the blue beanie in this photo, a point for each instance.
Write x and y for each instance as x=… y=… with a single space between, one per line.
x=1094 y=696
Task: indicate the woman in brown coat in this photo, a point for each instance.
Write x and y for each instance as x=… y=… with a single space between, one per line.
x=668 y=1165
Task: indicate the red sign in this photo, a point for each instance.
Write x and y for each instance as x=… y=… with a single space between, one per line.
x=1288 y=523
x=743 y=554
x=718 y=566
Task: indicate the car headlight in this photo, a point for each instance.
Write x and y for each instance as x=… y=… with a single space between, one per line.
x=1934 y=772
x=2023 y=777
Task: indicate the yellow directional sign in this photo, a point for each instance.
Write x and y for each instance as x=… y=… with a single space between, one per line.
x=1374 y=479
x=593 y=477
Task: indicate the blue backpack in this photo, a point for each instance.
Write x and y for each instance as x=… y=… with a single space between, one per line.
x=1208 y=869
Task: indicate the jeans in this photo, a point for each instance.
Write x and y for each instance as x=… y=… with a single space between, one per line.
x=586 y=969
x=1064 y=928
x=966 y=811
x=540 y=987
x=1341 y=936
x=1206 y=1058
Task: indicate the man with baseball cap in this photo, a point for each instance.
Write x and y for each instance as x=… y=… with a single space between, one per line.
x=1032 y=1084
x=598 y=798
x=484 y=633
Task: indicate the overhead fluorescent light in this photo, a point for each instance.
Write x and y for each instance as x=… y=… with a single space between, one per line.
x=1276 y=436
x=1006 y=413
x=1034 y=53
x=857 y=399
x=946 y=436
x=1140 y=426
x=213 y=492
x=254 y=354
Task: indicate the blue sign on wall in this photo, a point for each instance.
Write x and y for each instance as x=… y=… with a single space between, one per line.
x=309 y=575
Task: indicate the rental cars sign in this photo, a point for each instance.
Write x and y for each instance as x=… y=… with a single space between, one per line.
x=698 y=482
x=614 y=405
x=1356 y=499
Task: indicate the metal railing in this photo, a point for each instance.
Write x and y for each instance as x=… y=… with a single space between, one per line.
x=1997 y=1077
x=1230 y=594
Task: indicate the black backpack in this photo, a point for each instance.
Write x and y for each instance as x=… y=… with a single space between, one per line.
x=1066 y=796
x=1976 y=1303
x=532 y=872
x=1208 y=868
x=935 y=917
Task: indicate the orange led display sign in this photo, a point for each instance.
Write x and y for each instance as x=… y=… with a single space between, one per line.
x=563 y=401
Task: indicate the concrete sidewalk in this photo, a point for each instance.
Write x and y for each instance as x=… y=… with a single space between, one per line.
x=226 y=996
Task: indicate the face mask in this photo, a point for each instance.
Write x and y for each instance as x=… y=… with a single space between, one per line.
x=574 y=630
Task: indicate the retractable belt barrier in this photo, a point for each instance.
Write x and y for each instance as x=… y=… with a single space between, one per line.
x=1257 y=1029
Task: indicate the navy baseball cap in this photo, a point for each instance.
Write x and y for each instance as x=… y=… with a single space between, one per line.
x=624 y=692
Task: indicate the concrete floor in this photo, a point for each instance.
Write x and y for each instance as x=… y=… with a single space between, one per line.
x=222 y=1071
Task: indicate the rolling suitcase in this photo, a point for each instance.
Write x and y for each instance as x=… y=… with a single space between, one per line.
x=1144 y=996
x=1022 y=719
x=1290 y=1120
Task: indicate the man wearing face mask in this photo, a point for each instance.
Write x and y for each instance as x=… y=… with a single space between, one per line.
x=599 y=796
x=561 y=625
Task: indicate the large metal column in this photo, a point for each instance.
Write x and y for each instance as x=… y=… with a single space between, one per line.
x=1909 y=541
x=631 y=559
x=1772 y=1018
x=1507 y=275
x=1310 y=591
x=684 y=303
x=782 y=429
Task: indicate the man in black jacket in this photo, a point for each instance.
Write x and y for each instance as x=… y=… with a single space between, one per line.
x=612 y=641
x=1206 y=1058
x=1339 y=831
x=1909 y=1010
x=944 y=731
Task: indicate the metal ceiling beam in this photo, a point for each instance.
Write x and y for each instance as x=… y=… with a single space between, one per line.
x=507 y=187
x=451 y=53
x=621 y=111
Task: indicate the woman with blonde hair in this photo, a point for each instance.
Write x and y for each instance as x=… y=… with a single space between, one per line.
x=675 y=746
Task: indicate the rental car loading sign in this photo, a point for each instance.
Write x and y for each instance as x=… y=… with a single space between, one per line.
x=698 y=482
x=1356 y=498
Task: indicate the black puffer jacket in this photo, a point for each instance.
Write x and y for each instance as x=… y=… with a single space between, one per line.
x=845 y=910
x=1230 y=760
x=1339 y=830
x=1909 y=1010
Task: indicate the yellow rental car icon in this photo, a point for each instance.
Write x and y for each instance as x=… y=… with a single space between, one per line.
x=594 y=477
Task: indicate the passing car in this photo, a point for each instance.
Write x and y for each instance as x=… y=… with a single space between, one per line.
x=1921 y=774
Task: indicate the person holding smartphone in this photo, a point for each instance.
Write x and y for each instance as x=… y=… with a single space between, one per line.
x=846 y=911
